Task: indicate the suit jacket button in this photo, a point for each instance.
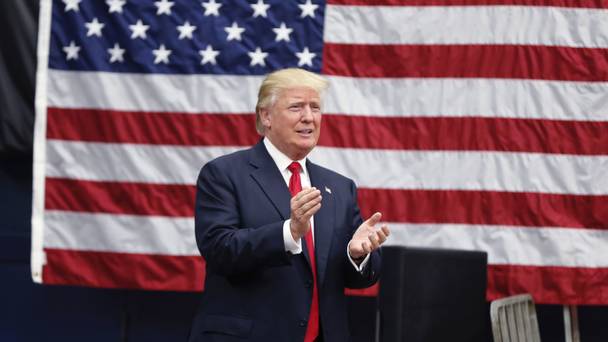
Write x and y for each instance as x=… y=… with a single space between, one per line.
x=302 y=323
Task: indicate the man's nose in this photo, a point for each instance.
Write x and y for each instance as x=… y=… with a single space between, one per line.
x=306 y=114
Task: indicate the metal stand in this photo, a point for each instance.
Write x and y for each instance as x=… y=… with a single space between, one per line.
x=571 y=331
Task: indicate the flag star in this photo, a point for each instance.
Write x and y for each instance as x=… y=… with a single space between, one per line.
x=282 y=33
x=115 y=5
x=208 y=55
x=305 y=57
x=71 y=5
x=234 y=31
x=308 y=9
x=212 y=8
x=116 y=53
x=260 y=8
x=257 y=57
x=71 y=51
x=139 y=29
x=94 y=28
x=185 y=31
x=161 y=54
x=163 y=7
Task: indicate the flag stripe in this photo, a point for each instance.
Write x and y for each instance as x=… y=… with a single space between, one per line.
x=553 y=3
x=406 y=133
x=120 y=233
x=138 y=163
x=414 y=206
x=538 y=246
x=486 y=208
x=124 y=270
x=121 y=270
x=386 y=97
x=95 y=125
x=140 y=92
x=120 y=197
x=488 y=61
x=550 y=285
x=511 y=25
x=461 y=170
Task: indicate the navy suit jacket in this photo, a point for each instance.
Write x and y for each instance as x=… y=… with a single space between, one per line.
x=254 y=290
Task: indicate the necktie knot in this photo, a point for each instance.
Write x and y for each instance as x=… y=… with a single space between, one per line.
x=294 y=167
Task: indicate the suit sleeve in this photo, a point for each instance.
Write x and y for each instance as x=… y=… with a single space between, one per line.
x=228 y=248
x=371 y=272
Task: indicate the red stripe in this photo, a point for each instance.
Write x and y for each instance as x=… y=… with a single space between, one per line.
x=151 y=128
x=485 y=61
x=119 y=197
x=403 y=133
x=415 y=206
x=466 y=134
x=550 y=285
x=486 y=208
x=122 y=270
x=555 y=3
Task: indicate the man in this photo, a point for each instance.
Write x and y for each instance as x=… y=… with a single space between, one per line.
x=282 y=236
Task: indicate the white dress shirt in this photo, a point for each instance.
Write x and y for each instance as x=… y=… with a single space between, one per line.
x=283 y=162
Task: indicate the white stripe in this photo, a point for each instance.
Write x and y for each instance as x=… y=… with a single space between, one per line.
x=503 y=98
x=120 y=233
x=154 y=92
x=38 y=258
x=129 y=163
x=511 y=245
x=528 y=25
x=392 y=169
x=353 y=96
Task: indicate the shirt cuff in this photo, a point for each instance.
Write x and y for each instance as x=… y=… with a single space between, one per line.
x=359 y=267
x=291 y=245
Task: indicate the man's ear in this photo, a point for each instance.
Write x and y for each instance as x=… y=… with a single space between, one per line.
x=265 y=117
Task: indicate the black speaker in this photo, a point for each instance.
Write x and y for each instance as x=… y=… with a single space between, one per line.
x=429 y=295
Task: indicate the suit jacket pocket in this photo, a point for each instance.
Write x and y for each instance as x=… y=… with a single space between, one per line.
x=228 y=325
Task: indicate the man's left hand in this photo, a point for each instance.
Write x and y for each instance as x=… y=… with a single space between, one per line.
x=367 y=238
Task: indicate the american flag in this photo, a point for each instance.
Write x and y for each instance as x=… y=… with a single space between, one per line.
x=471 y=124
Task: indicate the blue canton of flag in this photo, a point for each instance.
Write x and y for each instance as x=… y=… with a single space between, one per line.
x=186 y=37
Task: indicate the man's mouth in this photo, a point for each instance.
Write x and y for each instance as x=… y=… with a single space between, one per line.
x=304 y=131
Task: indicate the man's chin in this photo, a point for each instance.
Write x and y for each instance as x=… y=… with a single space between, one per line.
x=304 y=149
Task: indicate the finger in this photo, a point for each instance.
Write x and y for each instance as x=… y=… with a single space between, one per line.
x=366 y=247
x=375 y=218
x=385 y=230
x=299 y=201
x=310 y=202
x=313 y=210
x=381 y=237
x=304 y=192
x=373 y=240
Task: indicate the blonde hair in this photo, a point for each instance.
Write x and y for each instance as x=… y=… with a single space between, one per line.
x=280 y=80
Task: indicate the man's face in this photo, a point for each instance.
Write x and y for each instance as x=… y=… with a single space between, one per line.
x=293 y=123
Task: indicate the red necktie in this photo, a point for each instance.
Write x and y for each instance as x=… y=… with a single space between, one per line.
x=312 y=330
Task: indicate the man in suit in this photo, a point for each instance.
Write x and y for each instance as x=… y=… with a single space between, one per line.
x=281 y=235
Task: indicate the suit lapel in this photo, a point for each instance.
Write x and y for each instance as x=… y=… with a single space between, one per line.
x=324 y=220
x=270 y=180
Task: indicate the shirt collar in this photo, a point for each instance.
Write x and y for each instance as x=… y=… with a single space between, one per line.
x=280 y=159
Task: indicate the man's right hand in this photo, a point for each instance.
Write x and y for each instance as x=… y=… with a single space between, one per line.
x=303 y=205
